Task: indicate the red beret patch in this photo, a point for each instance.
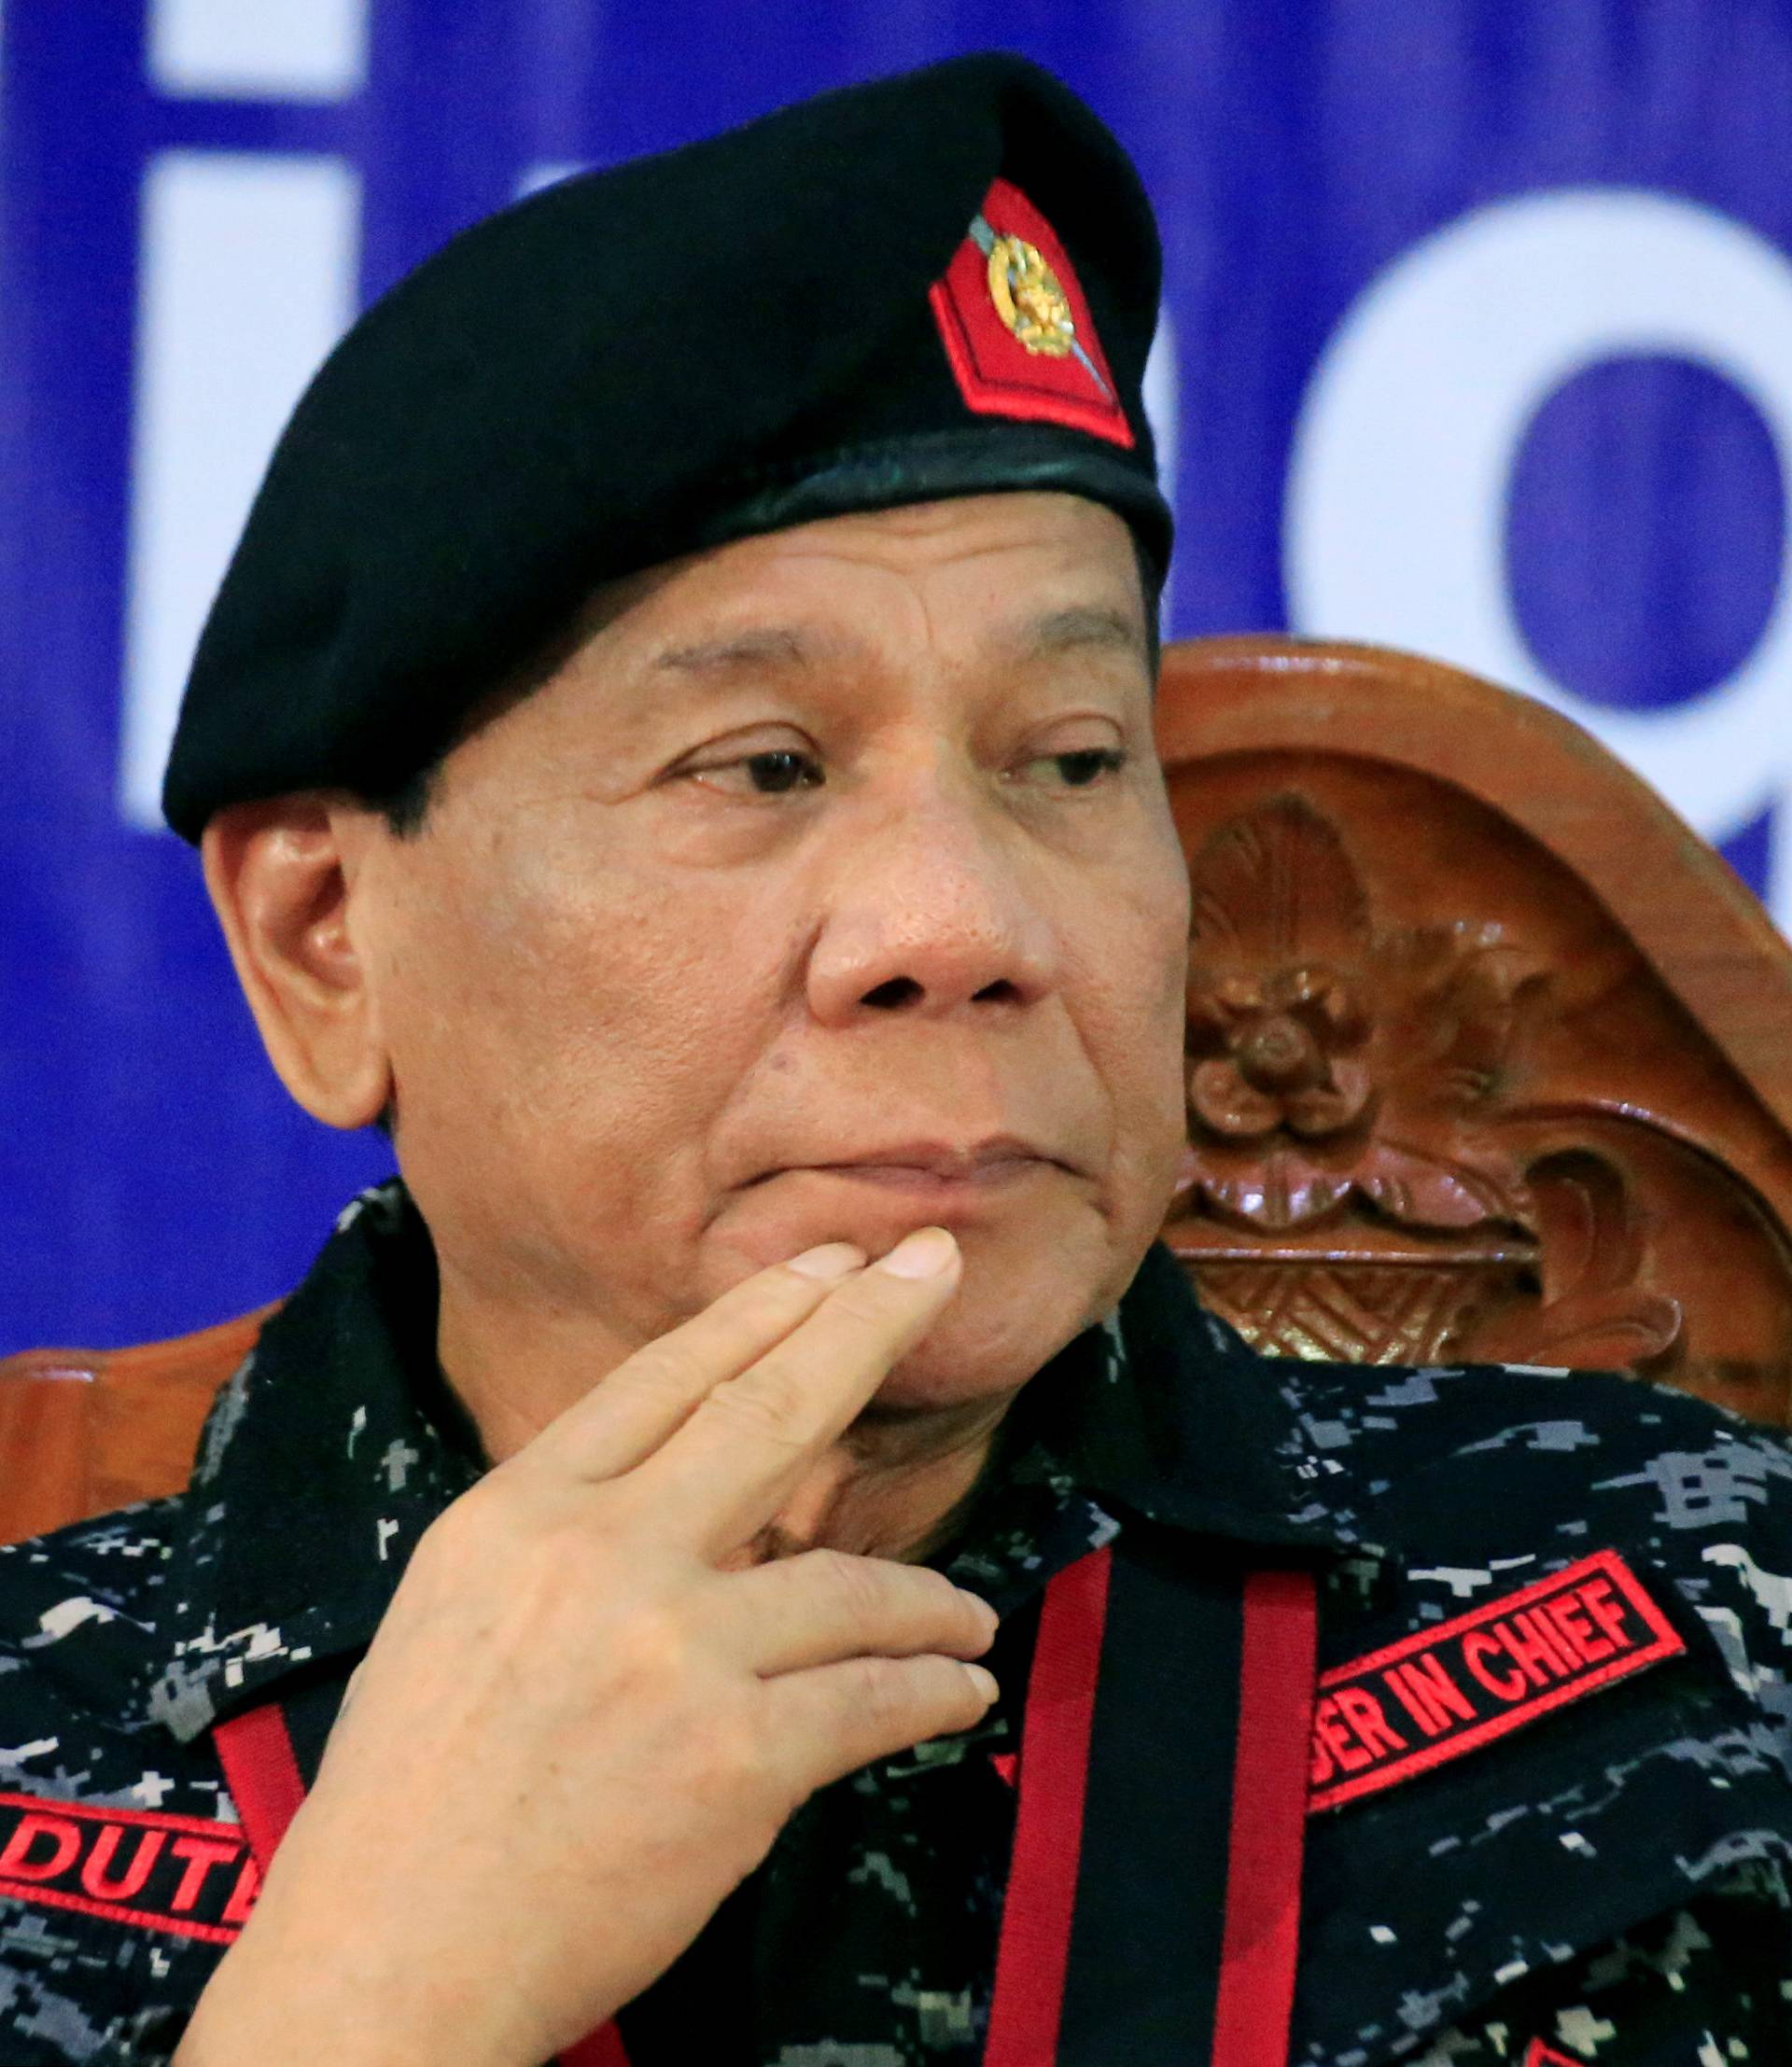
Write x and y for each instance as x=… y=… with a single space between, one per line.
x=1015 y=327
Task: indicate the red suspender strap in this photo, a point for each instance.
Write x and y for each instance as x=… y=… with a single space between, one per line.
x=1264 y=1840
x=254 y=1749
x=1269 y=1777
x=256 y=1753
x=1048 y=1831
x=603 y=2048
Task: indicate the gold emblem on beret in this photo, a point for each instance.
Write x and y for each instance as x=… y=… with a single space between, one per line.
x=1029 y=298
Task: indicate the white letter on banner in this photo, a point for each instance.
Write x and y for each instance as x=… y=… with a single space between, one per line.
x=1402 y=458
x=238 y=49
x=249 y=277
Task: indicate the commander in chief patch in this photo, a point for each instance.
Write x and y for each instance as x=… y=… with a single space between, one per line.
x=1465 y=1683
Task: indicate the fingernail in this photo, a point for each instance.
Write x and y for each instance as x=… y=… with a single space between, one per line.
x=924 y=1253
x=831 y=1259
x=985 y=1681
x=985 y=1611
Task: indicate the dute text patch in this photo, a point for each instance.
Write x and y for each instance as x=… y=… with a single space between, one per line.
x=160 y=1873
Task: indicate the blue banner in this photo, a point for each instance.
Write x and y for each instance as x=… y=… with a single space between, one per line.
x=1477 y=340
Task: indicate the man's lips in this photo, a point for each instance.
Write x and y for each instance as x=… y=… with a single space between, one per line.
x=935 y=1165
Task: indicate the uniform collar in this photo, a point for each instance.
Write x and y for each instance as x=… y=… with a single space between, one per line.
x=1182 y=1423
x=337 y=1444
x=325 y=1456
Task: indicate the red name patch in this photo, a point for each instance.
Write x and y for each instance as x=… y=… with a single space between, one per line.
x=1453 y=1687
x=1539 y=2055
x=160 y=1873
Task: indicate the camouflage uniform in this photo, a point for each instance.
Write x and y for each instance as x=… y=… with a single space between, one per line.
x=1606 y=1881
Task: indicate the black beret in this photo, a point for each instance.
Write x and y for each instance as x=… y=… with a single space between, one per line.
x=935 y=284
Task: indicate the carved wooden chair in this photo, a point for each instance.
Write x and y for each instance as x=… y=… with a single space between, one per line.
x=85 y=1430
x=1489 y=1056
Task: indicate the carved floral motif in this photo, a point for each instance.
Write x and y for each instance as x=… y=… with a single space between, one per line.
x=1593 y=1314
x=1329 y=1057
x=1346 y=1075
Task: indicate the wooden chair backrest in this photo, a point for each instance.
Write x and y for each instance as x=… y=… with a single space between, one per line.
x=1489 y=1056
x=85 y=1430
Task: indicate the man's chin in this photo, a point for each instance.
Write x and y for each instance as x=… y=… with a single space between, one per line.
x=975 y=1356
x=1036 y=1273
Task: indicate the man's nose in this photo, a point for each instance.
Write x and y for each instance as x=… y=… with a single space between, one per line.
x=932 y=903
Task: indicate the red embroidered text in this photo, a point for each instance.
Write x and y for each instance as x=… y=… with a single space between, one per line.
x=160 y=1873
x=1461 y=1683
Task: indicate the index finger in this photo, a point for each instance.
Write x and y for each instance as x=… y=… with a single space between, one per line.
x=631 y=1411
x=723 y=1476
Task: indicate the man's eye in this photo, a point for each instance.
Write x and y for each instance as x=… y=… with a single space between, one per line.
x=780 y=769
x=1084 y=767
x=773 y=773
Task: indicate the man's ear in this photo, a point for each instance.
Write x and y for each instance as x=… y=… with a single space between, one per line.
x=283 y=874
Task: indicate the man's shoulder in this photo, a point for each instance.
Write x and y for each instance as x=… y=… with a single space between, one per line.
x=82 y=1645
x=123 y=1867
x=1484 y=1479
x=118 y=1558
x=79 y=1607
x=1500 y=1466
x=1569 y=1678
x=1546 y=1447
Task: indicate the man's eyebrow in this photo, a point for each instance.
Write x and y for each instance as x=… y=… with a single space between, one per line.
x=1084 y=624
x=1065 y=631
x=777 y=645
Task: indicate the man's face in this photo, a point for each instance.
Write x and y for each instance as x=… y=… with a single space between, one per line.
x=810 y=867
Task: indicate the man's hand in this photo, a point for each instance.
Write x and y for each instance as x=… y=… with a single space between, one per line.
x=581 y=1724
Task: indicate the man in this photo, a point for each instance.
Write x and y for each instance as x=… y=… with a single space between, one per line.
x=675 y=745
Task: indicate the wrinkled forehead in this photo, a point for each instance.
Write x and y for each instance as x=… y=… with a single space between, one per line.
x=1011 y=553
x=1009 y=579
